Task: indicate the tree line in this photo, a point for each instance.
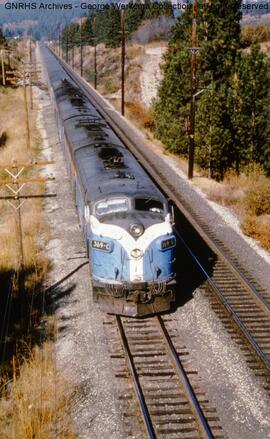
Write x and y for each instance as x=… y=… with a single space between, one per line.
x=104 y=26
x=233 y=110
x=2 y=38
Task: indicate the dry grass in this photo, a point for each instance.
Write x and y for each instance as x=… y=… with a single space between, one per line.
x=109 y=69
x=36 y=405
x=249 y=197
x=257 y=198
x=13 y=122
x=142 y=116
x=256 y=222
x=34 y=399
x=33 y=226
x=256 y=33
x=230 y=192
x=258 y=227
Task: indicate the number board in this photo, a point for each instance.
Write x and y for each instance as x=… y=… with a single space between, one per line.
x=99 y=245
x=168 y=243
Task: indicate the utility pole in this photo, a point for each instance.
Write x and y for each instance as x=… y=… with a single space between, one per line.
x=123 y=53
x=28 y=144
x=95 y=53
x=14 y=183
x=3 y=67
x=194 y=51
x=67 y=49
x=62 y=47
x=22 y=76
x=59 y=44
x=81 y=50
x=30 y=76
x=72 y=55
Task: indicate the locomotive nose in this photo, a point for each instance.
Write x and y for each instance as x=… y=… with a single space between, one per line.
x=136 y=230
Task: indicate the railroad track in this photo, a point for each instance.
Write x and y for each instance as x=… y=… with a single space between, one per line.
x=169 y=405
x=247 y=304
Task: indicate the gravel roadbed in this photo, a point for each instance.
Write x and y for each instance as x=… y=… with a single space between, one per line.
x=82 y=350
x=224 y=224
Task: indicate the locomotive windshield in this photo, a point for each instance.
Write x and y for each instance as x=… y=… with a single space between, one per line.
x=148 y=205
x=110 y=206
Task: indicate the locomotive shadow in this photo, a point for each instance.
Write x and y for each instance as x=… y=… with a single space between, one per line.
x=189 y=276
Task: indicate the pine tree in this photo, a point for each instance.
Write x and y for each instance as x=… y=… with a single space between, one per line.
x=219 y=36
x=249 y=106
x=71 y=33
x=108 y=27
x=2 y=37
x=219 y=41
x=171 y=108
x=215 y=147
x=134 y=16
x=155 y=9
x=87 y=30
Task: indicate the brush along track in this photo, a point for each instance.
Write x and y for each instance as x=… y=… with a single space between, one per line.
x=169 y=406
x=245 y=301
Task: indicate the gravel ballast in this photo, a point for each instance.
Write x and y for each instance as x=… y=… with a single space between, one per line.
x=82 y=350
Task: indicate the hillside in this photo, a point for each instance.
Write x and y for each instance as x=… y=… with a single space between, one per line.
x=143 y=75
x=44 y=19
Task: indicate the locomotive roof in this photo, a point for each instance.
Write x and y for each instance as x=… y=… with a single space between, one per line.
x=89 y=129
x=106 y=168
x=102 y=178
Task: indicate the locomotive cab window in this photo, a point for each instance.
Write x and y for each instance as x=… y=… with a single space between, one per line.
x=110 y=206
x=148 y=205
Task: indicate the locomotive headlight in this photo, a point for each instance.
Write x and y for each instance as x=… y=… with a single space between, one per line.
x=136 y=230
x=136 y=253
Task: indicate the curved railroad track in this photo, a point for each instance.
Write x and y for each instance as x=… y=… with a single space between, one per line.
x=247 y=304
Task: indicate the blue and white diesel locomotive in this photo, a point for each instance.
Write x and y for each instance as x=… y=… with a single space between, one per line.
x=126 y=219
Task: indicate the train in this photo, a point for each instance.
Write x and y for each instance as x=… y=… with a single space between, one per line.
x=126 y=220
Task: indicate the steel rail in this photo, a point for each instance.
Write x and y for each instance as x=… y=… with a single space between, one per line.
x=180 y=372
x=165 y=185
x=138 y=390
x=229 y=308
x=203 y=427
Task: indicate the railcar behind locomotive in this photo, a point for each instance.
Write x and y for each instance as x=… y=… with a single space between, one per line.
x=126 y=220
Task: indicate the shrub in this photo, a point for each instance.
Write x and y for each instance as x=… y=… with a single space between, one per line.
x=251 y=34
x=141 y=115
x=258 y=227
x=257 y=198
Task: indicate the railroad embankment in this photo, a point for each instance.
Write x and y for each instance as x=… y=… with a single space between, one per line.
x=247 y=196
x=30 y=405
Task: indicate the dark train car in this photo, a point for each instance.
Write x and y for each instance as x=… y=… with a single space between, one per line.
x=126 y=219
